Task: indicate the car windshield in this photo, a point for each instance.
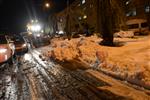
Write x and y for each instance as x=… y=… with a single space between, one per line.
x=3 y=40
x=18 y=39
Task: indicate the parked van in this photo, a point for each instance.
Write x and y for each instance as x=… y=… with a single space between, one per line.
x=138 y=26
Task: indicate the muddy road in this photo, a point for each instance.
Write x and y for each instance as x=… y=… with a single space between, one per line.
x=31 y=78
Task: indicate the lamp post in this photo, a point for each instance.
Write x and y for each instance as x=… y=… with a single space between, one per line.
x=47 y=5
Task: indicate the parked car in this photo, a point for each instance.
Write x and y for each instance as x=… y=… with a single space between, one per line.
x=124 y=34
x=21 y=45
x=138 y=26
x=28 y=41
x=7 y=50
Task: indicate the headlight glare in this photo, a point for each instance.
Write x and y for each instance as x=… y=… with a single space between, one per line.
x=24 y=45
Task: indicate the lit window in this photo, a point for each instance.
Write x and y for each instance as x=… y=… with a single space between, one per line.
x=85 y=17
x=127 y=2
x=132 y=13
x=79 y=18
x=128 y=14
x=147 y=9
x=79 y=5
x=83 y=1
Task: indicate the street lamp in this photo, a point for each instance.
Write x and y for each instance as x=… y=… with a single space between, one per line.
x=47 y=5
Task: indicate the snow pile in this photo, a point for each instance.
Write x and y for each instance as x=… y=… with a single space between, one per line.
x=87 y=49
x=81 y=48
x=129 y=62
x=124 y=34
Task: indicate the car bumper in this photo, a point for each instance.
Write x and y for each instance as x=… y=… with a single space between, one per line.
x=21 y=50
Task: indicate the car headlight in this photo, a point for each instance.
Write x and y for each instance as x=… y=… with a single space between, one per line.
x=3 y=50
x=38 y=35
x=24 y=45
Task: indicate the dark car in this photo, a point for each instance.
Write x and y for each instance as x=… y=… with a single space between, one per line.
x=20 y=44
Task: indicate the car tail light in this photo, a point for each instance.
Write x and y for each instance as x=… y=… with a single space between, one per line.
x=3 y=50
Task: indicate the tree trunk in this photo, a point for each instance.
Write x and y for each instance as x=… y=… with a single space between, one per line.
x=106 y=20
x=68 y=22
x=68 y=27
x=111 y=17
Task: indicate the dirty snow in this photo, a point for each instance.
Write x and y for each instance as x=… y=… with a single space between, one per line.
x=129 y=62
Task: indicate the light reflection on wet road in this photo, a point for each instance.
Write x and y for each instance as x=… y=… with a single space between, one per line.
x=30 y=78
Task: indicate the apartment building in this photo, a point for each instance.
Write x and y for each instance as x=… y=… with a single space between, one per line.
x=85 y=12
x=138 y=9
x=81 y=13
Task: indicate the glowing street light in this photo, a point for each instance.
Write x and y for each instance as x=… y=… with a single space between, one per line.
x=34 y=26
x=47 y=5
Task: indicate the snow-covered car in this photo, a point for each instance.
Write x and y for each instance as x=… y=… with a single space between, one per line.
x=7 y=50
x=124 y=34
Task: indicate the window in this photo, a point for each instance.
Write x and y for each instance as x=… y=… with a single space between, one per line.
x=144 y=24
x=83 y=1
x=18 y=39
x=85 y=17
x=131 y=13
x=127 y=2
x=133 y=26
x=134 y=12
x=79 y=18
x=79 y=5
x=91 y=5
x=147 y=9
x=128 y=14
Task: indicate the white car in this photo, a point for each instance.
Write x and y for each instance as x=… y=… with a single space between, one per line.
x=138 y=26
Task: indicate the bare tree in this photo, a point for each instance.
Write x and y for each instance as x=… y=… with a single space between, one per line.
x=110 y=19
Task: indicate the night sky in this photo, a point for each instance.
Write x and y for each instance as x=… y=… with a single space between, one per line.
x=14 y=14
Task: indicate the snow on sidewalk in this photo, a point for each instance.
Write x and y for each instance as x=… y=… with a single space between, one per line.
x=129 y=62
x=117 y=87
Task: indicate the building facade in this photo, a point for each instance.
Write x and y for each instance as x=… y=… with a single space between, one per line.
x=81 y=13
x=86 y=13
x=138 y=9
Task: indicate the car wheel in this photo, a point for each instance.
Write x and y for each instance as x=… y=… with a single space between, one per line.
x=10 y=62
x=27 y=50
